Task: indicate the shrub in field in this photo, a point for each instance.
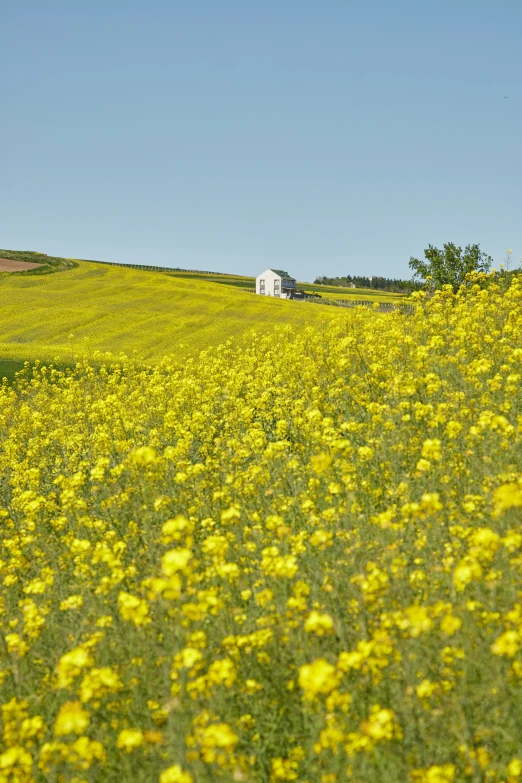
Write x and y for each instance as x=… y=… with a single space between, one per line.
x=449 y=266
x=296 y=562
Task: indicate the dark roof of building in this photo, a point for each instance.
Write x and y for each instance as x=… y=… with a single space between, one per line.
x=282 y=273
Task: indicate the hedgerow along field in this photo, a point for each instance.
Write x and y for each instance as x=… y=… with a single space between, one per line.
x=295 y=561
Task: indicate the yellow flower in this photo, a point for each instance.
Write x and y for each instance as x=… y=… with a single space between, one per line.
x=71 y=719
x=264 y=597
x=278 y=565
x=133 y=608
x=229 y=514
x=507 y=644
x=223 y=672
x=444 y=773
x=431 y=449
x=316 y=678
x=216 y=546
x=321 y=538
x=143 y=456
x=483 y=544
x=36 y=587
x=174 y=529
x=320 y=462
x=187 y=658
x=425 y=689
x=175 y=560
x=416 y=620
x=319 y=624
x=466 y=571
x=284 y=769
x=175 y=774
x=252 y=686
x=84 y=751
x=15 y=765
x=129 y=739
x=73 y=602
x=15 y=644
x=507 y=496
x=381 y=724
x=450 y=624
x=98 y=683
x=71 y=664
x=219 y=735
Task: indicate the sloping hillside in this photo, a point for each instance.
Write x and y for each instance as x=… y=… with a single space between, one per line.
x=96 y=307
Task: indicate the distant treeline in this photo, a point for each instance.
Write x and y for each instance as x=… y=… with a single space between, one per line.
x=379 y=283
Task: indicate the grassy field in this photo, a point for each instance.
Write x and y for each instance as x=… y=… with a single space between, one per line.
x=300 y=561
x=95 y=307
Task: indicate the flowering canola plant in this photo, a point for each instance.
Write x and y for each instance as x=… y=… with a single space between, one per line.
x=298 y=561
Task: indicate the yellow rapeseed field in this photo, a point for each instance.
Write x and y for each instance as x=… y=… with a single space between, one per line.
x=95 y=307
x=298 y=561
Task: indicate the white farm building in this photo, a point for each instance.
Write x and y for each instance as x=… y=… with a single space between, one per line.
x=275 y=282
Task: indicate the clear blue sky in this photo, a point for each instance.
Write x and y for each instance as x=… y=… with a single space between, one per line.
x=325 y=137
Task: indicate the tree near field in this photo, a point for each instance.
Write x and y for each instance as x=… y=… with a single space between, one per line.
x=450 y=265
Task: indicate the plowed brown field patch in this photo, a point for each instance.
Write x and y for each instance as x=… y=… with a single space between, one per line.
x=10 y=265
